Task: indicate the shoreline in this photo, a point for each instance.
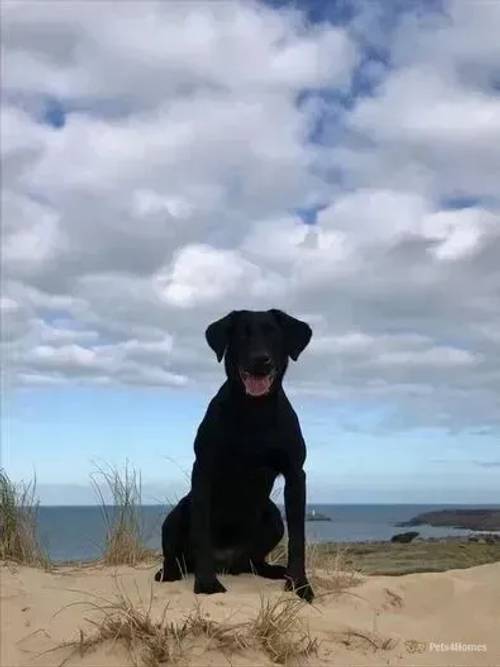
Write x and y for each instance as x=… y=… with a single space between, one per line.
x=384 y=552
x=81 y=538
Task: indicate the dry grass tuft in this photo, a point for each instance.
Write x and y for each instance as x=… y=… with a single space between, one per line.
x=224 y=636
x=280 y=632
x=279 y=554
x=124 y=535
x=331 y=571
x=18 y=523
x=152 y=641
x=355 y=640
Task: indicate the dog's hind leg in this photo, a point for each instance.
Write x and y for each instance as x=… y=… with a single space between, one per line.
x=267 y=536
x=177 y=559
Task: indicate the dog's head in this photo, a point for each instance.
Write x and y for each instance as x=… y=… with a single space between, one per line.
x=256 y=346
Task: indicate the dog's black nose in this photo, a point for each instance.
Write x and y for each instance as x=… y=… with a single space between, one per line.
x=261 y=363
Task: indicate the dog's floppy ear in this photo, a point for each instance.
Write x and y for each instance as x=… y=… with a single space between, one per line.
x=217 y=334
x=297 y=333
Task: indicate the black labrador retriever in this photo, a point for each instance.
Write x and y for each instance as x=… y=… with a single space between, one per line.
x=250 y=434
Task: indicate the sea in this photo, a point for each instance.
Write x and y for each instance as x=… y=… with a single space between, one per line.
x=77 y=533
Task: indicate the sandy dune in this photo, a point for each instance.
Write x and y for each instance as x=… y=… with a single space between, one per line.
x=354 y=628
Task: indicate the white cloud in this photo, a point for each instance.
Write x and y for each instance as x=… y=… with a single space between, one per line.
x=430 y=108
x=155 y=50
x=434 y=117
x=149 y=204
x=32 y=236
x=369 y=215
x=22 y=138
x=67 y=356
x=459 y=233
x=167 y=197
x=201 y=274
x=433 y=358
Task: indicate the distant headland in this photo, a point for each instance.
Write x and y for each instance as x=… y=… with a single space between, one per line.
x=471 y=519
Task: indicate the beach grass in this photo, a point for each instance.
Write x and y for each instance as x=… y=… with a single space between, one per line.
x=19 y=540
x=124 y=542
x=280 y=631
x=330 y=570
x=151 y=639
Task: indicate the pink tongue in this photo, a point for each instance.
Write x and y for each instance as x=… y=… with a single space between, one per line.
x=257 y=385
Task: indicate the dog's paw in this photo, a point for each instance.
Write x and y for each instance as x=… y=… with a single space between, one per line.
x=208 y=586
x=270 y=571
x=300 y=586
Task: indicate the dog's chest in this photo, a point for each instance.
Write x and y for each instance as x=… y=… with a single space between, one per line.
x=250 y=452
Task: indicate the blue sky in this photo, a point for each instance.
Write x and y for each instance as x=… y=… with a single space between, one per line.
x=347 y=173
x=62 y=433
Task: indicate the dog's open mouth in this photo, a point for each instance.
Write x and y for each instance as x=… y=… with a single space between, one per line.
x=257 y=385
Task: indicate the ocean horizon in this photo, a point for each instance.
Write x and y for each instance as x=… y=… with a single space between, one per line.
x=77 y=532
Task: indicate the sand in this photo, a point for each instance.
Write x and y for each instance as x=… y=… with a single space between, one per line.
x=380 y=621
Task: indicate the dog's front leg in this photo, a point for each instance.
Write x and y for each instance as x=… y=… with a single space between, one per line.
x=205 y=580
x=295 y=507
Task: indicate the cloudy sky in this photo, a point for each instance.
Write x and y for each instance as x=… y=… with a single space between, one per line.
x=165 y=163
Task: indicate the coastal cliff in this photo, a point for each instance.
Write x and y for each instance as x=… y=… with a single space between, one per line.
x=472 y=519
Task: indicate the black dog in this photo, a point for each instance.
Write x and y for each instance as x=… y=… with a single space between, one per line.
x=250 y=434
